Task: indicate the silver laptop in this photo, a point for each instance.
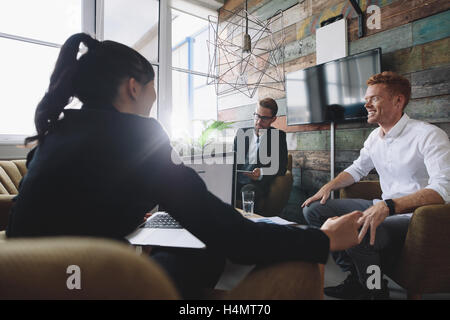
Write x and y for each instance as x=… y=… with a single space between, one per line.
x=162 y=230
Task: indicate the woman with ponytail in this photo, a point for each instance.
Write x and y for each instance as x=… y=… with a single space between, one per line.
x=96 y=172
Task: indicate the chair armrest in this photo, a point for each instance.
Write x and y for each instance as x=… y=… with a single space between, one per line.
x=368 y=190
x=425 y=261
x=280 y=191
x=283 y=281
x=5 y=206
x=37 y=269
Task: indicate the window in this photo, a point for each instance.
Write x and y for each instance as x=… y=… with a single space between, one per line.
x=193 y=99
x=134 y=24
x=137 y=26
x=31 y=33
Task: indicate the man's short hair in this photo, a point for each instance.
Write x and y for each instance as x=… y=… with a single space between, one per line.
x=395 y=83
x=270 y=104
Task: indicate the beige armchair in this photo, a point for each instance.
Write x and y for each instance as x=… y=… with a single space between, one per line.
x=11 y=172
x=424 y=264
x=279 y=193
x=38 y=269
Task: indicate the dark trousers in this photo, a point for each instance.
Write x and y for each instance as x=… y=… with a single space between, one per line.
x=192 y=270
x=389 y=239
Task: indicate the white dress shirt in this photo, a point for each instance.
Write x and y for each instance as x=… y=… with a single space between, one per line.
x=253 y=151
x=412 y=156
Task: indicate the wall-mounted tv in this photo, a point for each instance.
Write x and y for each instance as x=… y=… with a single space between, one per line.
x=332 y=91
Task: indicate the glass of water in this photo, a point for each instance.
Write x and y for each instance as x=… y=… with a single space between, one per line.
x=248 y=201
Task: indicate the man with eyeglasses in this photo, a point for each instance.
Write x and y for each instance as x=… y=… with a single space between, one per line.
x=260 y=172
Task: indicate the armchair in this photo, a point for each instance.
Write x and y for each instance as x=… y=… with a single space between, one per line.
x=424 y=264
x=279 y=193
x=11 y=172
x=37 y=269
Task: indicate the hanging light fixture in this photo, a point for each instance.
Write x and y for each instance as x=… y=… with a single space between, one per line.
x=244 y=53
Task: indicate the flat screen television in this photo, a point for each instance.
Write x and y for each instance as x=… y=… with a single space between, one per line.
x=332 y=91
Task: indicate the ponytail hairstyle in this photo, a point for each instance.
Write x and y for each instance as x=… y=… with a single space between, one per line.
x=94 y=78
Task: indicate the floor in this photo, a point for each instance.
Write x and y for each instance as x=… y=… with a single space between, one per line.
x=334 y=276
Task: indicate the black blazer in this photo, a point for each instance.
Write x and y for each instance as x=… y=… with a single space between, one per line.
x=98 y=172
x=265 y=182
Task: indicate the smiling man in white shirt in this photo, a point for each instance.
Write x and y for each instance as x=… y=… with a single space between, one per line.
x=412 y=159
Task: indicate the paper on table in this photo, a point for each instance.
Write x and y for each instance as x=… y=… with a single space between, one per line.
x=275 y=220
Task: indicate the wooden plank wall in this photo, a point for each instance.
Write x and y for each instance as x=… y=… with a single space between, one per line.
x=415 y=39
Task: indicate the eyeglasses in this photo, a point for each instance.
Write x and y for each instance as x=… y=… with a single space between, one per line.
x=262 y=118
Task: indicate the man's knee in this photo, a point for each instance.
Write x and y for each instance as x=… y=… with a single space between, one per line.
x=364 y=247
x=312 y=214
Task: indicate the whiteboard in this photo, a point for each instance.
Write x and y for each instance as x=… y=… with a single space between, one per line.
x=331 y=41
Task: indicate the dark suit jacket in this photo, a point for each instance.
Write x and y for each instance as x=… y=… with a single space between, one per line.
x=98 y=172
x=265 y=182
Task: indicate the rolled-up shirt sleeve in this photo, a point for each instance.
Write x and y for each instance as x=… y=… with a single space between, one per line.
x=363 y=165
x=436 y=153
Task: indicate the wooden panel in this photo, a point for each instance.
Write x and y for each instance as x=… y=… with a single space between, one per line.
x=389 y=41
x=267 y=42
x=240 y=113
x=346 y=157
x=296 y=49
x=313 y=180
x=290 y=66
x=406 y=36
x=324 y=9
x=399 y=13
x=415 y=42
x=234 y=100
x=432 y=28
x=355 y=125
x=271 y=7
x=351 y=139
x=320 y=160
x=346 y=139
x=426 y=56
x=233 y=5
x=435 y=109
x=313 y=141
x=245 y=112
x=431 y=82
x=281 y=123
x=319 y=5
x=312 y=160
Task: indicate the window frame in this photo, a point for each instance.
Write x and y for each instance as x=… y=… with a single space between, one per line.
x=92 y=16
x=88 y=24
x=190 y=72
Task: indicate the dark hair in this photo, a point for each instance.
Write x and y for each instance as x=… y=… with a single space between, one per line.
x=270 y=104
x=94 y=78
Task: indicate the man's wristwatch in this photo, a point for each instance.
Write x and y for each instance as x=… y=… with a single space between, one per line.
x=390 y=204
